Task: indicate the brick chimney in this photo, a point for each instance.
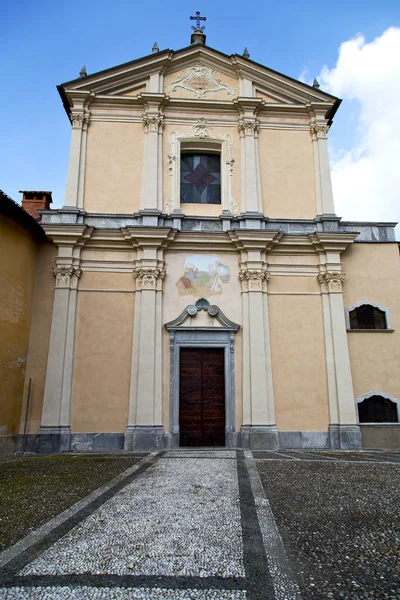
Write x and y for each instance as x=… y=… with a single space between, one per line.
x=33 y=201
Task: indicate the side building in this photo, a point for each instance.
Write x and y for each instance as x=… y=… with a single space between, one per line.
x=205 y=292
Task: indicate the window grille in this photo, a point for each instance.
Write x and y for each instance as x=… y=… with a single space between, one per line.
x=201 y=178
x=367 y=317
x=377 y=410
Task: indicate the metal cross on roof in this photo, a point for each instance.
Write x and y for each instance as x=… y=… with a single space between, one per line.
x=198 y=18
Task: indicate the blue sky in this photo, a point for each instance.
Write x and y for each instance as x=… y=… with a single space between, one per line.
x=45 y=43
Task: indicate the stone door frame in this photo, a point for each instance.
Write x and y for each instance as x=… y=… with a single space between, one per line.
x=202 y=337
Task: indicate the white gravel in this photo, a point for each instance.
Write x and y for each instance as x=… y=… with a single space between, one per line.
x=181 y=518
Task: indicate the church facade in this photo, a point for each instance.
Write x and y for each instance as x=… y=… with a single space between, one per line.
x=198 y=288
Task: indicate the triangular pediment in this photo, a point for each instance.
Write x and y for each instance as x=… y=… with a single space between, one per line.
x=200 y=72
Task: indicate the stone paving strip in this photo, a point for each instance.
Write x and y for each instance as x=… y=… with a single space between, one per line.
x=186 y=528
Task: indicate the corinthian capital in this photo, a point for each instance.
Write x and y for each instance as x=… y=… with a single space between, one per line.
x=331 y=282
x=319 y=131
x=153 y=122
x=148 y=278
x=254 y=280
x=247 y=127
x=67 y=277
x=79 y=119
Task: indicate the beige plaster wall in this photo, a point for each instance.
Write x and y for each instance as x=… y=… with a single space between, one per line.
x=113 y=167
x=17 y=269
x=229 y=301
x=39 y=340
x=373 y=272
x=298 y=362
x=103 y=350
x=287 y=174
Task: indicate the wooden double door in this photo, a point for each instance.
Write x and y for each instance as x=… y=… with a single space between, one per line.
x=202 y=397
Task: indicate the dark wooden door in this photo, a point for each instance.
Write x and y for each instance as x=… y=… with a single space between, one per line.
x=202 y=397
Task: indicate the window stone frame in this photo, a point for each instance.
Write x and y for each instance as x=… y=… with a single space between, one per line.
x=374 y=305
x=222 y=145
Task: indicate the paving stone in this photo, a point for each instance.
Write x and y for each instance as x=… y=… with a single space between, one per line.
x=168 y=522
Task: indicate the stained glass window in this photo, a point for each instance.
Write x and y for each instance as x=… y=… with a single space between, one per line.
x=201 y=178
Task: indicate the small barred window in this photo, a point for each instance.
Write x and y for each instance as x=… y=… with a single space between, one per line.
x=377 y=409
x=367 y=317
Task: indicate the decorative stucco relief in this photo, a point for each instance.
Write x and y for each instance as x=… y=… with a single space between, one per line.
x=148 y=278
x=200 y=81
x=331 y=281
x=201 y=129
x=67 y=277
x=319 y=132
x=78 y=120
x=247 y=127
x=254 y=280
x=153 y=122
x=203 y=275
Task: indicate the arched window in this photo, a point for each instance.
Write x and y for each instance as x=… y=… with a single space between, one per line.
x=377 y=409
x=200 y=178
x=367 y=316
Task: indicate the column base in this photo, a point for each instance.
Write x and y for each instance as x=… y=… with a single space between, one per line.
x=145 y=438
x=259 y=437
x=345 y=437
x=50 y=440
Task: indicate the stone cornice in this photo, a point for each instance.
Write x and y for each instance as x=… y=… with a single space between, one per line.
x=68 y=235
x=332 y=242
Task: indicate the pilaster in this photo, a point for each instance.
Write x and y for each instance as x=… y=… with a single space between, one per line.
x=249 y=126
x=145 y=430
x=53 y=434
x=322 y=172
x=344 y=431
x=259 y=428
x=151 y=191
x=80 y=118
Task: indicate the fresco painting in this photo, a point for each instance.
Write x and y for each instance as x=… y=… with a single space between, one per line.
x=203 y=275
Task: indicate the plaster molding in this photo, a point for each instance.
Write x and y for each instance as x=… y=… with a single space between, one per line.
x=67 y=276
x=366 y=301
x=200 y=81
x=148 y=278
x=331 y=282
x=202 y=304
x=201 y=129
x=254 y=280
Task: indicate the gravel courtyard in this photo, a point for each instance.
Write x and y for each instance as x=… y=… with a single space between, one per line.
x=222 y=524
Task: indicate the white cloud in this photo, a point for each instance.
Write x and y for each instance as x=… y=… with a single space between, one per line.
x=366 y=179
